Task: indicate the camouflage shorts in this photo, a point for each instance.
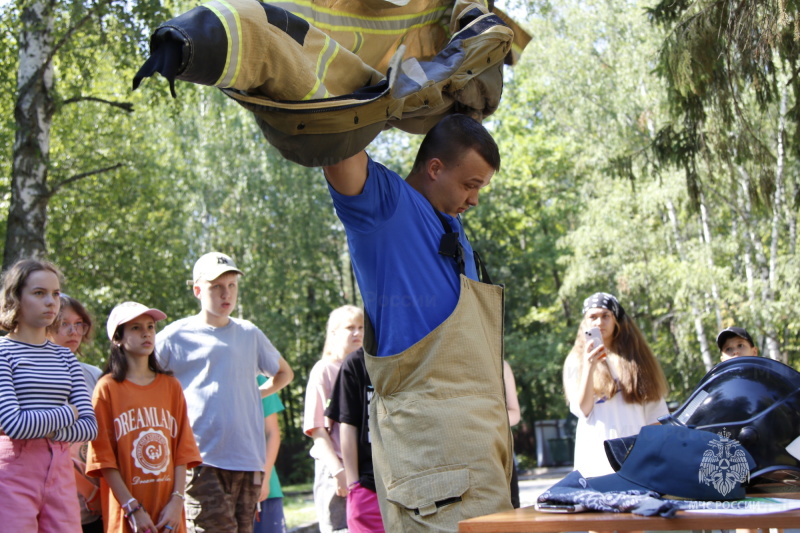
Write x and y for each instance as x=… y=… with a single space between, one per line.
x=221 y=500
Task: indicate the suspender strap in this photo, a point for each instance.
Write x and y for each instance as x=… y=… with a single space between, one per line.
x=450 y=246
x=483 y=274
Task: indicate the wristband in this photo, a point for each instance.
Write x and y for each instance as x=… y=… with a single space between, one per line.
x=127 y=505
x=132 y=511
x=179 y=495
x=334 y=474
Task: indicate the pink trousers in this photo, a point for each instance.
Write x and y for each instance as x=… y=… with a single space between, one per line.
x=363 y=511
x=37 y=486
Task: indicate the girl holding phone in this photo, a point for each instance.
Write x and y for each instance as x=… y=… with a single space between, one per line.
x=614 y=387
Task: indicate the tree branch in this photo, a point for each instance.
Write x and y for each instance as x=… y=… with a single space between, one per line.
x=72 y=179
x=60 y=44
x=125 y=106
x=71 y=31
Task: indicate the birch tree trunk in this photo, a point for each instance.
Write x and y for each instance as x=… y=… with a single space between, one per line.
x=772 y=346
x=699 y=328
x=715 y=298
x=791 y=215
x=33 y=113
x=749 y=251
x=758 y=271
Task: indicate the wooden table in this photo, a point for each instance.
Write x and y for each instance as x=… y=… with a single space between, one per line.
x=529 y=520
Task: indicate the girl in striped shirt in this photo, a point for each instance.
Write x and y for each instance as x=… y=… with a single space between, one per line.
x=44 y=406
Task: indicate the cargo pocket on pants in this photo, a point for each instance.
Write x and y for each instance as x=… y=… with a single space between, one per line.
x=430 y=490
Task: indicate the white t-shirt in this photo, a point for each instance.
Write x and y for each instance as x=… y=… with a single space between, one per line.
x=609 y=419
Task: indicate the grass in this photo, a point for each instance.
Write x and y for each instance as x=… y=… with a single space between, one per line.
x=298 y=505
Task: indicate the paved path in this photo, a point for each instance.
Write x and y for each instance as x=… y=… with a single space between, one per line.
x=535 y=483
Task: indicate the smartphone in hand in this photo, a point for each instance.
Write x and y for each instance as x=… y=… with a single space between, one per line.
x=594 y=337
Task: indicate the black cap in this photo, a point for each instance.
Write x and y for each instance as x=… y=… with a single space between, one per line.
x=727 y=333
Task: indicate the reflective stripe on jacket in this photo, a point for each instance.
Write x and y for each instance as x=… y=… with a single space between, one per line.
x=323 y=83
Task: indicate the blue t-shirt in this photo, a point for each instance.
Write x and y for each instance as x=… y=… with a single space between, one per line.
x=393 y=232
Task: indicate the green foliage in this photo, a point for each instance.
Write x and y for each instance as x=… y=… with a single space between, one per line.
x=8 y=66
x=730 y=60
x=525 y=462
x=662 y=190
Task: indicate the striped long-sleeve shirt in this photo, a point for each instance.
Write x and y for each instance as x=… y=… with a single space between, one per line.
x=36 y=384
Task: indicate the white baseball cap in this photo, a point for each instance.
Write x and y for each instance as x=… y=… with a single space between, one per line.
x=213 y=265
x=127 y=311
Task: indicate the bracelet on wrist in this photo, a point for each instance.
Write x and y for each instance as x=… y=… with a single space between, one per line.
x=138 y=507
x=127 y=505
x=334 y=474
x=179 y=495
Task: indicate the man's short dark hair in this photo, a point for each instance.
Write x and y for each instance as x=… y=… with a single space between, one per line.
x=454 y=135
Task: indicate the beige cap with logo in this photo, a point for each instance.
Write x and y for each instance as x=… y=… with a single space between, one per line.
x=212 y=265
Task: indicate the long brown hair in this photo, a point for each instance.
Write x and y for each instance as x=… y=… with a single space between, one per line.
x=641 y=378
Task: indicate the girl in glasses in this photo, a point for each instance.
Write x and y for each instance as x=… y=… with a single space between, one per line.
x=71 y=329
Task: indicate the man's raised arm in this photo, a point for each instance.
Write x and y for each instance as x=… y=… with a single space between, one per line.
x=348 y=177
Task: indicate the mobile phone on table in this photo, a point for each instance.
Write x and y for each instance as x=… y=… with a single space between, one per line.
x=559 y=508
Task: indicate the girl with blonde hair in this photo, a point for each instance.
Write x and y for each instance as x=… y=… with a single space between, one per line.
x=345 y=331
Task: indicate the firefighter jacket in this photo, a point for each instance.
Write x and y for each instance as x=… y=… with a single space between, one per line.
x=324 y=77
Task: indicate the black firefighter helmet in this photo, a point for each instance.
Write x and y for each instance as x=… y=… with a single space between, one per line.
x=755 y=400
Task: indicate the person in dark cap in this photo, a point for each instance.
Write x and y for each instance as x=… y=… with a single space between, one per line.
x=614 y=384
x=735 y=342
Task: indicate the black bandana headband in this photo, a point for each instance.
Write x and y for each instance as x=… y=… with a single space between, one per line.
x=603 y=300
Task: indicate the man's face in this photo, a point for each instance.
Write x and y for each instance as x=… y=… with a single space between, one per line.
x=218 y=297
x=737 y=347
x=455 y=188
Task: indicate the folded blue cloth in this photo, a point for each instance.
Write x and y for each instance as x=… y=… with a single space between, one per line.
x=574 y=489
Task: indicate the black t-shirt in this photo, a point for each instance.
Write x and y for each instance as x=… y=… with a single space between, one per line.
x=350 y=405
